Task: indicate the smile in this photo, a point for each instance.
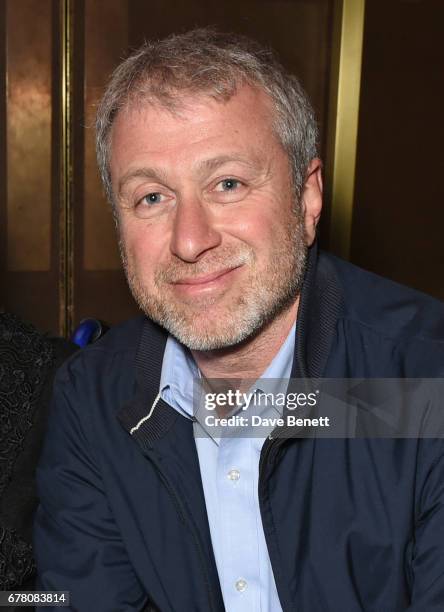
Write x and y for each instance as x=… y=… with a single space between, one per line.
x=206 y=283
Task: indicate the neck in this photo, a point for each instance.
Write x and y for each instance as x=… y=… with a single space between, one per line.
x=250 y=358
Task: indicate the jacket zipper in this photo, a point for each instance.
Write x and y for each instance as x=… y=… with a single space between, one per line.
x=269 y=444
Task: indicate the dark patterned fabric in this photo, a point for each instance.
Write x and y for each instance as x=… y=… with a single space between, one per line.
x=28 y=361
x=16 y=560
x=25 y=358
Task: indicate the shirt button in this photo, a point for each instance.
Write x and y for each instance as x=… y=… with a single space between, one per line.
x=233 y=475
x=240 y=585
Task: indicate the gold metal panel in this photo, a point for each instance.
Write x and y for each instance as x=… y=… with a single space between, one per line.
x=344 y=112
x=28 y=135
x=66 y=209
x=106 y=39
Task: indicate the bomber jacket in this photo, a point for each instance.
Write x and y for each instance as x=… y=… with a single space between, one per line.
x=351 y=525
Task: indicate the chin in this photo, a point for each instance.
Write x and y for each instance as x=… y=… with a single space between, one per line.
x=204 y=337
x=220 y=331
x=210 y=341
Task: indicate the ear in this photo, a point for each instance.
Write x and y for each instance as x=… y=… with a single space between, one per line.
x=312 y=199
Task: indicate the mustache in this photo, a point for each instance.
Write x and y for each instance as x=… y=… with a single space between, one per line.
x=177 y=270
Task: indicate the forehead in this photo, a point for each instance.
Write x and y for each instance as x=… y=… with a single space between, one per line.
x=244 y=121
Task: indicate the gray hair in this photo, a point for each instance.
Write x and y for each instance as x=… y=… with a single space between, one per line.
x=206 y=62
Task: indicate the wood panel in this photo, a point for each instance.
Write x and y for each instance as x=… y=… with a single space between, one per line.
x=28 y=134
x=29 y=151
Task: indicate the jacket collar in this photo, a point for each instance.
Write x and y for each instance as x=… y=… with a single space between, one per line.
x=140 y=417
x=321 y=304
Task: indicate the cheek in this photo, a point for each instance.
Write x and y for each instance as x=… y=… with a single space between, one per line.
x=258 y=231
x=142 y=245
x=259 y=221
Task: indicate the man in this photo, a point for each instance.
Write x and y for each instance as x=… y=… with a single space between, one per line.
x=207 y=150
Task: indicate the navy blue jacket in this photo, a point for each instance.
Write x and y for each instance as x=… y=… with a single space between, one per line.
x=351 y=525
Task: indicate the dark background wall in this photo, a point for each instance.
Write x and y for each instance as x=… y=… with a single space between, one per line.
x=398 y=212
x=398 y=220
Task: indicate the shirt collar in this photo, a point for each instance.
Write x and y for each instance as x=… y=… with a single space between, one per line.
x=179 y=371
x=177 y=377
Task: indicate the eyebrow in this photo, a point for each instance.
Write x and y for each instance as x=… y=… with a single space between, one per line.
x=155 y=174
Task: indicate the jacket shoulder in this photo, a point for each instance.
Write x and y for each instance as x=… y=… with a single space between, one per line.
x=385 y=306
x=117 y=346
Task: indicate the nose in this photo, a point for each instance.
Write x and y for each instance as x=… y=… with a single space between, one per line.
x=194 y=231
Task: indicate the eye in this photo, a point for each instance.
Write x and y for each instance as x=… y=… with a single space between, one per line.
x=228 y=190
x=152 y=204
x=228 y=184
x=154 y=197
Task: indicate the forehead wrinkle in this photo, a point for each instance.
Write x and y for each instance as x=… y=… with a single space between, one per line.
x=208 y=165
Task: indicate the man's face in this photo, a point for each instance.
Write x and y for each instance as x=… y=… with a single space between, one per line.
x=212 y=246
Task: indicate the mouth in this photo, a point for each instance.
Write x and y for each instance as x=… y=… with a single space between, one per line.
x=207 y=278
x=207 y=283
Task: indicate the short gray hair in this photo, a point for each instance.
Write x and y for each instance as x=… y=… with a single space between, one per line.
x=207 y=62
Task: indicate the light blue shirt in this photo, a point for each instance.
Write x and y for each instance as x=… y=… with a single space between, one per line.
x=229 y=469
